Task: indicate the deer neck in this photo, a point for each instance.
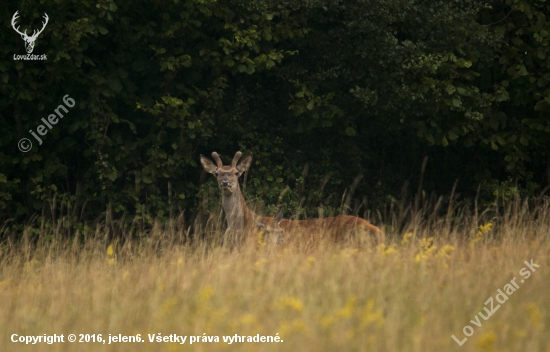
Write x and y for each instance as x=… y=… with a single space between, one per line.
x=236 y=211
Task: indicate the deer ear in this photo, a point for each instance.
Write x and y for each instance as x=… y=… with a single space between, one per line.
x=279 y=216
x=244 y=165
x=208 y=165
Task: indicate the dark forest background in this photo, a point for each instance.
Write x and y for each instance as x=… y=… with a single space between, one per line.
x=342 y=103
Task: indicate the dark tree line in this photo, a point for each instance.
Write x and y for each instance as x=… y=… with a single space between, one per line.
x=329 y=96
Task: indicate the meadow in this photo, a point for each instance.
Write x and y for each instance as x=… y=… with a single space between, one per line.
x=426 y=283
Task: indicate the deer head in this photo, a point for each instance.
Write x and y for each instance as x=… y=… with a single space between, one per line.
x=271 y=229
x=29 y=41
x=227 y=176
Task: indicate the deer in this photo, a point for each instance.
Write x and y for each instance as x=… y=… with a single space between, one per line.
x=335 y=228
x=29 y=41
x=241 y=220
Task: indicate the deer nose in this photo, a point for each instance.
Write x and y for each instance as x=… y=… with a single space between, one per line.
x=224 y=182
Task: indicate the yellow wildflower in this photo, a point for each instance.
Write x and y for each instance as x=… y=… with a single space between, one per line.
x=347 y=310
x=534 y=315
x=406 y=238
x=289 y=303
x=487 y=341
x=206 y=293
x=445 y=251
x=110 y=254
x=167 y=307
x=425 y=250
x=386 y=250
x=342 y=313
x=307 y=263
x=259 y=239
x=371 y=315
x=482 y=231
x=247 y=319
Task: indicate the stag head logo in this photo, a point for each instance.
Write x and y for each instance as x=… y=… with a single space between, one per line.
x=29 y=40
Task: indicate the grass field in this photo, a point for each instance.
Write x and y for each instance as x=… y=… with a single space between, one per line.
x=411 y=294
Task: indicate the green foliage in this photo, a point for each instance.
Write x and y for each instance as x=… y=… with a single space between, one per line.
x=149 y=82
x=320 y=92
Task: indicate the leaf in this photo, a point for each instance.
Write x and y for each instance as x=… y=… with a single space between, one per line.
x=463 y=63
x=502 y=95
x=102 y=30
x=523 y=140
x=444 y=141
x=522 y=71
x=430 y=138
x=147 y=179
x=350 y=131
x=311 y=104
x=493 y=123
x=112 y=175
x=115 y=85
x=450 y=89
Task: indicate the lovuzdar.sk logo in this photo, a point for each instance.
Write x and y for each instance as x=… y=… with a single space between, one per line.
x=29 y=40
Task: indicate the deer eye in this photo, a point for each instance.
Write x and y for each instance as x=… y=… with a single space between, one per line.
x=236 y=174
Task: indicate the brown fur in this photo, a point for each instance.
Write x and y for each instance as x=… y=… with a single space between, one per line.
x=241 y=220
x=335 y=228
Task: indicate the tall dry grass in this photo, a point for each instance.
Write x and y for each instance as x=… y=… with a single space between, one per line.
x=425 y=284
